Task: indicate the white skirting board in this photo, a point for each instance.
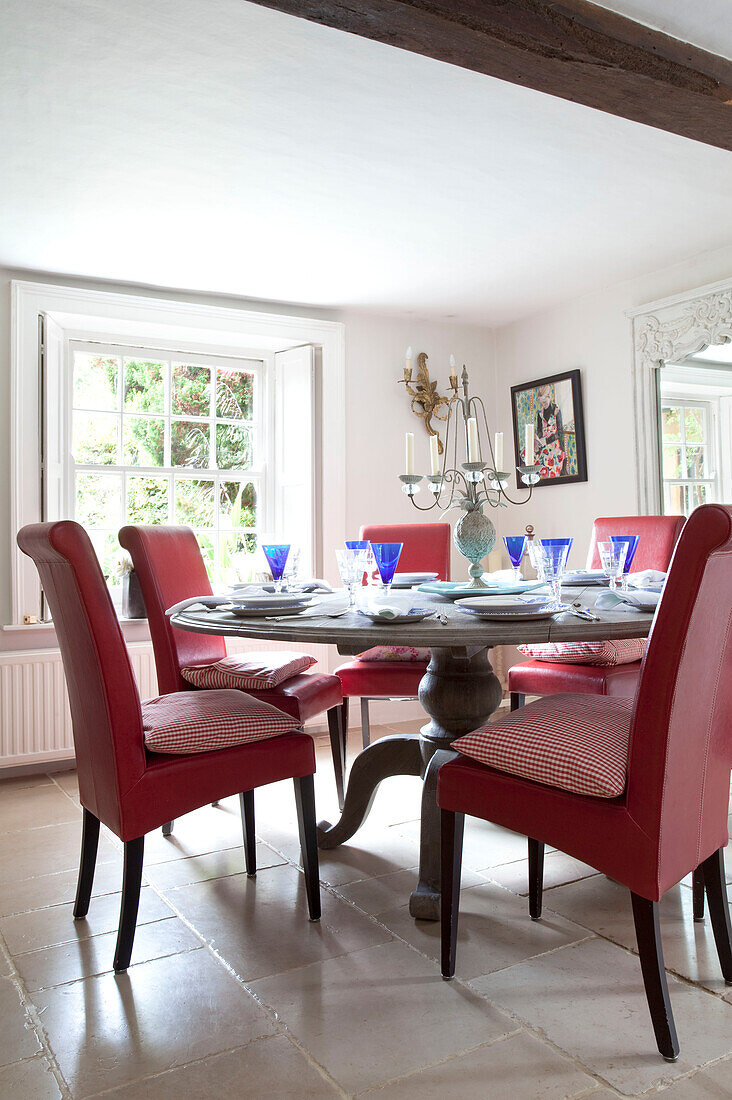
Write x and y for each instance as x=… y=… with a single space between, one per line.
x=35 y=723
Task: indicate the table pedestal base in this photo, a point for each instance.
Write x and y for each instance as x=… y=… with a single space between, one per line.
x=459 y=691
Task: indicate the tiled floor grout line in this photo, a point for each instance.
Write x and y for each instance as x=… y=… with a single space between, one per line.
x=34 y=1019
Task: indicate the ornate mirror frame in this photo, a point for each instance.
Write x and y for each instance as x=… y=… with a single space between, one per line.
x=666 y=332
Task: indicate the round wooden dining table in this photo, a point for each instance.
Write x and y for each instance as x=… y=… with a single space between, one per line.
x=459 y=692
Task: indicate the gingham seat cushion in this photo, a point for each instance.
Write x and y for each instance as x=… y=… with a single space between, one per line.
x=201 y=721
x=249 y=671
x=576 y=742
x=624 y=651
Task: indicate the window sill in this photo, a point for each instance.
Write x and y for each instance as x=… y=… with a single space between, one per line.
x=43 y=635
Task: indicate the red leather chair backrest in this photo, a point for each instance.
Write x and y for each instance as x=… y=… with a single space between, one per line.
x=105 y=705
x=170 y=566
x=426 y=545
x=658 y=536
x=681 y=737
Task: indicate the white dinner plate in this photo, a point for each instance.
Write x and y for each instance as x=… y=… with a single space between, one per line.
x=490 y=607
x=263 y=612
x=275 y=600
x=585 y=577
x=414 y=578
x=407 y=617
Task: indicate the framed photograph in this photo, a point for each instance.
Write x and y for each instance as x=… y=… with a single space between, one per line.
x=553 y=407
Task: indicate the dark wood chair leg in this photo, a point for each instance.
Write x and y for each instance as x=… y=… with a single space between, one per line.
x=452 y=827
x=246 y=801
x=168 y=828
x=650 y=949
x=305 y=803
x=131 y=882
x=536 y=877
x=87 y=863
x=714 y=880
x=697 y=889
x=365 y=723
x=517 y=700
x=338 y=750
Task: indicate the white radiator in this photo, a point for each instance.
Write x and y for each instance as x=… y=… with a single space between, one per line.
x=35 y=722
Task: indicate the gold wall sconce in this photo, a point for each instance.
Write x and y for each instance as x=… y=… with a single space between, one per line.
x=426 y=402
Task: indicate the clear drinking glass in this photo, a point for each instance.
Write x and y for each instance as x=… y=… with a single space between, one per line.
x=387 y=558
x=352 y=565
x=276 y=555
x=631 y=544
x=292 y=569
x=554 y=554
x=516 y=546
x=612 y=559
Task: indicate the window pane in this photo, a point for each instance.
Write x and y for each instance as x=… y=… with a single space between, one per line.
x=144 y=441
x=144 y=386
x=207 y=551
x=95 y=439
x=671 y=462
x=699 y=494
x=233 y=447
x=98 y=500
x=191 y=390
x=194 y=502
x=671 y=424
x=238 y=560
x=695 y=425
x=108 y=551
x=696 y=461
x=674 y=499
x=234 y=394
x=95 y=381
x=237 y=504
x=147 y=499
x=189 y=444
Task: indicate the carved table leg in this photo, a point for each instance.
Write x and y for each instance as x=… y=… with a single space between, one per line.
x=459 y=691
x=398 y=755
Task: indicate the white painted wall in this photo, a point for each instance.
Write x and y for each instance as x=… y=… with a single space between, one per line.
x=592 y=333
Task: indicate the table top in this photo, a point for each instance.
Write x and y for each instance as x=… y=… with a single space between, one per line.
x=352 y=632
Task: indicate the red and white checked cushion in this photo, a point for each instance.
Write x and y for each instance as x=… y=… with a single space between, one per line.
x=249 y=671
x=576 y=742
x=201 y=721
x=621 y=652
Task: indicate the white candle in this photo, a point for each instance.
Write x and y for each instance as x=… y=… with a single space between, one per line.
x=498 y=449
x=473 y=449
x=409 y=357
x=452 y=364
x=529 y=445
x=434 y=456
x=409 y=440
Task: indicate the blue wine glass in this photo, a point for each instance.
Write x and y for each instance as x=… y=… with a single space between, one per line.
x=516 y=546
x=357 y=544
x=554 y=555
x=386 y=555
x=631 y=541
x=276 y=555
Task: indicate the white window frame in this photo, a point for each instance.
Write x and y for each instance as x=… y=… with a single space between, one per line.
x=170 y=324
x=686 y=401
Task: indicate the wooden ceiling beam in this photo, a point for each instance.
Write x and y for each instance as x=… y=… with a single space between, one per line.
x=571 y=49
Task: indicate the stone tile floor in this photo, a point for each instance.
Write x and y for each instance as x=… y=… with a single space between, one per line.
x=232 y=992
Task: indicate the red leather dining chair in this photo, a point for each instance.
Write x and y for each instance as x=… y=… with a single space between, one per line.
x=170 y=568
x=639 y=789
x=426 y=549
x=122 y=783
x=658 y=537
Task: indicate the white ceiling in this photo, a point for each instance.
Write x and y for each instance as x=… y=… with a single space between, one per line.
x=705 y=23
x=224 y=147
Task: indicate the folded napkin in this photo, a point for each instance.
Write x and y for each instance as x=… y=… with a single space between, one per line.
x=652 y=579
x=388 y=611
x=201 y=601
x=627 y=601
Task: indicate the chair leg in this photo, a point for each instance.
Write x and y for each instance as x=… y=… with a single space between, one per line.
x=536 y=877
x=168 y=828
x=338 y=749
x=365 y=724
x=452 y=826
x=714 y=880
x=650 y=949
x=517 y=700
x=305 y=803
x=697 y=889
x=87 y=863
x=246 y=801
x=131 y=882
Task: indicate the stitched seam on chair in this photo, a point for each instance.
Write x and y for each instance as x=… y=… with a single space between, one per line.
x=709 y=730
